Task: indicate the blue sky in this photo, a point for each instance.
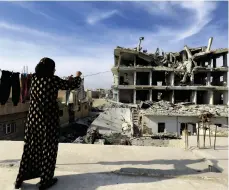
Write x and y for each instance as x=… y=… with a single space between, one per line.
x=83 y=35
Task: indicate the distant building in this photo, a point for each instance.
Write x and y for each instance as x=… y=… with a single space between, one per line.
x=13 y=118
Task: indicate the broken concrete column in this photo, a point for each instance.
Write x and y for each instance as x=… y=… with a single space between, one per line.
x=225 y=98
x=116 y=79
x=225 y=60
x=225 y=77
x=119 y=60
x=210 y=97
x=188 y=51
x=192 y=78
x=172 y=76
x=118 y=96
x=135 y=61
x=209 y=44
x=134 y=97
x=209 y=63
x=208 y=78
x=150 y=78
x=214 y=62
x=150 y=95
x=135 y=77
x=194 y=97
x=172 y=97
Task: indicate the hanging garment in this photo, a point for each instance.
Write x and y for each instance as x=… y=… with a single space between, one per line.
x=15 y=81
x=29 y=78
x=23 y=87
x=5 y=87
x=81 y=95
x=68 y=91
x=42 y=129
x=67 y=96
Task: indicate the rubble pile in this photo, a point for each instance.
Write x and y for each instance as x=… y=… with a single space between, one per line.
x=94 y=137
x=69 y=134
x=168 y=108
x=109 y=105
x=164 y=136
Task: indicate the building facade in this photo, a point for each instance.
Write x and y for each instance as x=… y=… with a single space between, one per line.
x=12 y=121
x=197 y=75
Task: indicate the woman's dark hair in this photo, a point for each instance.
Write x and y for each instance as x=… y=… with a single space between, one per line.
x=45 y=68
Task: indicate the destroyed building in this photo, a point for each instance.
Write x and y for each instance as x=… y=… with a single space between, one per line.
x=191 y=75
x=170 y=82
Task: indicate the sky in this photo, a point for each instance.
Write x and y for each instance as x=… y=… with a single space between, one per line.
x=82 y=35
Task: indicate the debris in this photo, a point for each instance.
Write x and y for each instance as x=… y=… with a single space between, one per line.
x=99 y=141
x=79 y=140
x=186 y=108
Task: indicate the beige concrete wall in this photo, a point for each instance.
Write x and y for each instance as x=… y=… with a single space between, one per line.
x=172 y=124
x=19 y=119
x=65 y=118
x=84 y=110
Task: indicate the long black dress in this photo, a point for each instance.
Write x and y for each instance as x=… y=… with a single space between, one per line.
x=42 y=128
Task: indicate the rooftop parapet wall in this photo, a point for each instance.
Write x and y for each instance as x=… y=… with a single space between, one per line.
x=9 y=108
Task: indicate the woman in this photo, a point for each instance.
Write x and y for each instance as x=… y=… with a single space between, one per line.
x=42 y=126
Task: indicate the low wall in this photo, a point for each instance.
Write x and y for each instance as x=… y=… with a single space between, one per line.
x=176 y=143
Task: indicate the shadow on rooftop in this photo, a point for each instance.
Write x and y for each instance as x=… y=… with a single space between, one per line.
x=92 y=181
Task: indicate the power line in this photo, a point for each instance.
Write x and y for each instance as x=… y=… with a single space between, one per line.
x=96 y=73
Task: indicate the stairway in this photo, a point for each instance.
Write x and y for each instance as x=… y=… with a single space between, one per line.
x=135 y=116
x=136 y=129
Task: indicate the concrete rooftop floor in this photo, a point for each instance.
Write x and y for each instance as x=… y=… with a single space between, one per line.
x=99 y=167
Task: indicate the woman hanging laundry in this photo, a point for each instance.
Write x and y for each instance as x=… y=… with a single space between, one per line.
x=42 y=126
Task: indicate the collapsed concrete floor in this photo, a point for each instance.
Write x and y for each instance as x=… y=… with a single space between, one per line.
x=111 y=124
x=114 y=123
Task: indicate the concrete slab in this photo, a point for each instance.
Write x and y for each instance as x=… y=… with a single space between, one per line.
x=111 y=120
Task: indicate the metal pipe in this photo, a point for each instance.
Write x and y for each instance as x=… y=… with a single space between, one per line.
x=198 y=135
x=187 y=134
x=215 y=136
x=209 y=135
x=204 y=133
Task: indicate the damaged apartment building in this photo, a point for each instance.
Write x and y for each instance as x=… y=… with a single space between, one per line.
x=179 y=86
x=191 y=75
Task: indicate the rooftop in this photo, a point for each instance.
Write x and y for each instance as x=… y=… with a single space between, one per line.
x=99 y=167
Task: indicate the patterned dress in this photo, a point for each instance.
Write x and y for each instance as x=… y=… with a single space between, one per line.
x=42 y=128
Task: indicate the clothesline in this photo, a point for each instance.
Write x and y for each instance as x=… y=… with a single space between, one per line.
x=96 y=73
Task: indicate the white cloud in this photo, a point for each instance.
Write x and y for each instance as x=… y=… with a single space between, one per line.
x=99 y=16
x=22 y=29
x=201 y=15
x=78 y=52
x=198 y=15
x=156 y=7
x=30 y=7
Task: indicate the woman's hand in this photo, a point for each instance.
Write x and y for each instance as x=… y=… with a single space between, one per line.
x=78 y=74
